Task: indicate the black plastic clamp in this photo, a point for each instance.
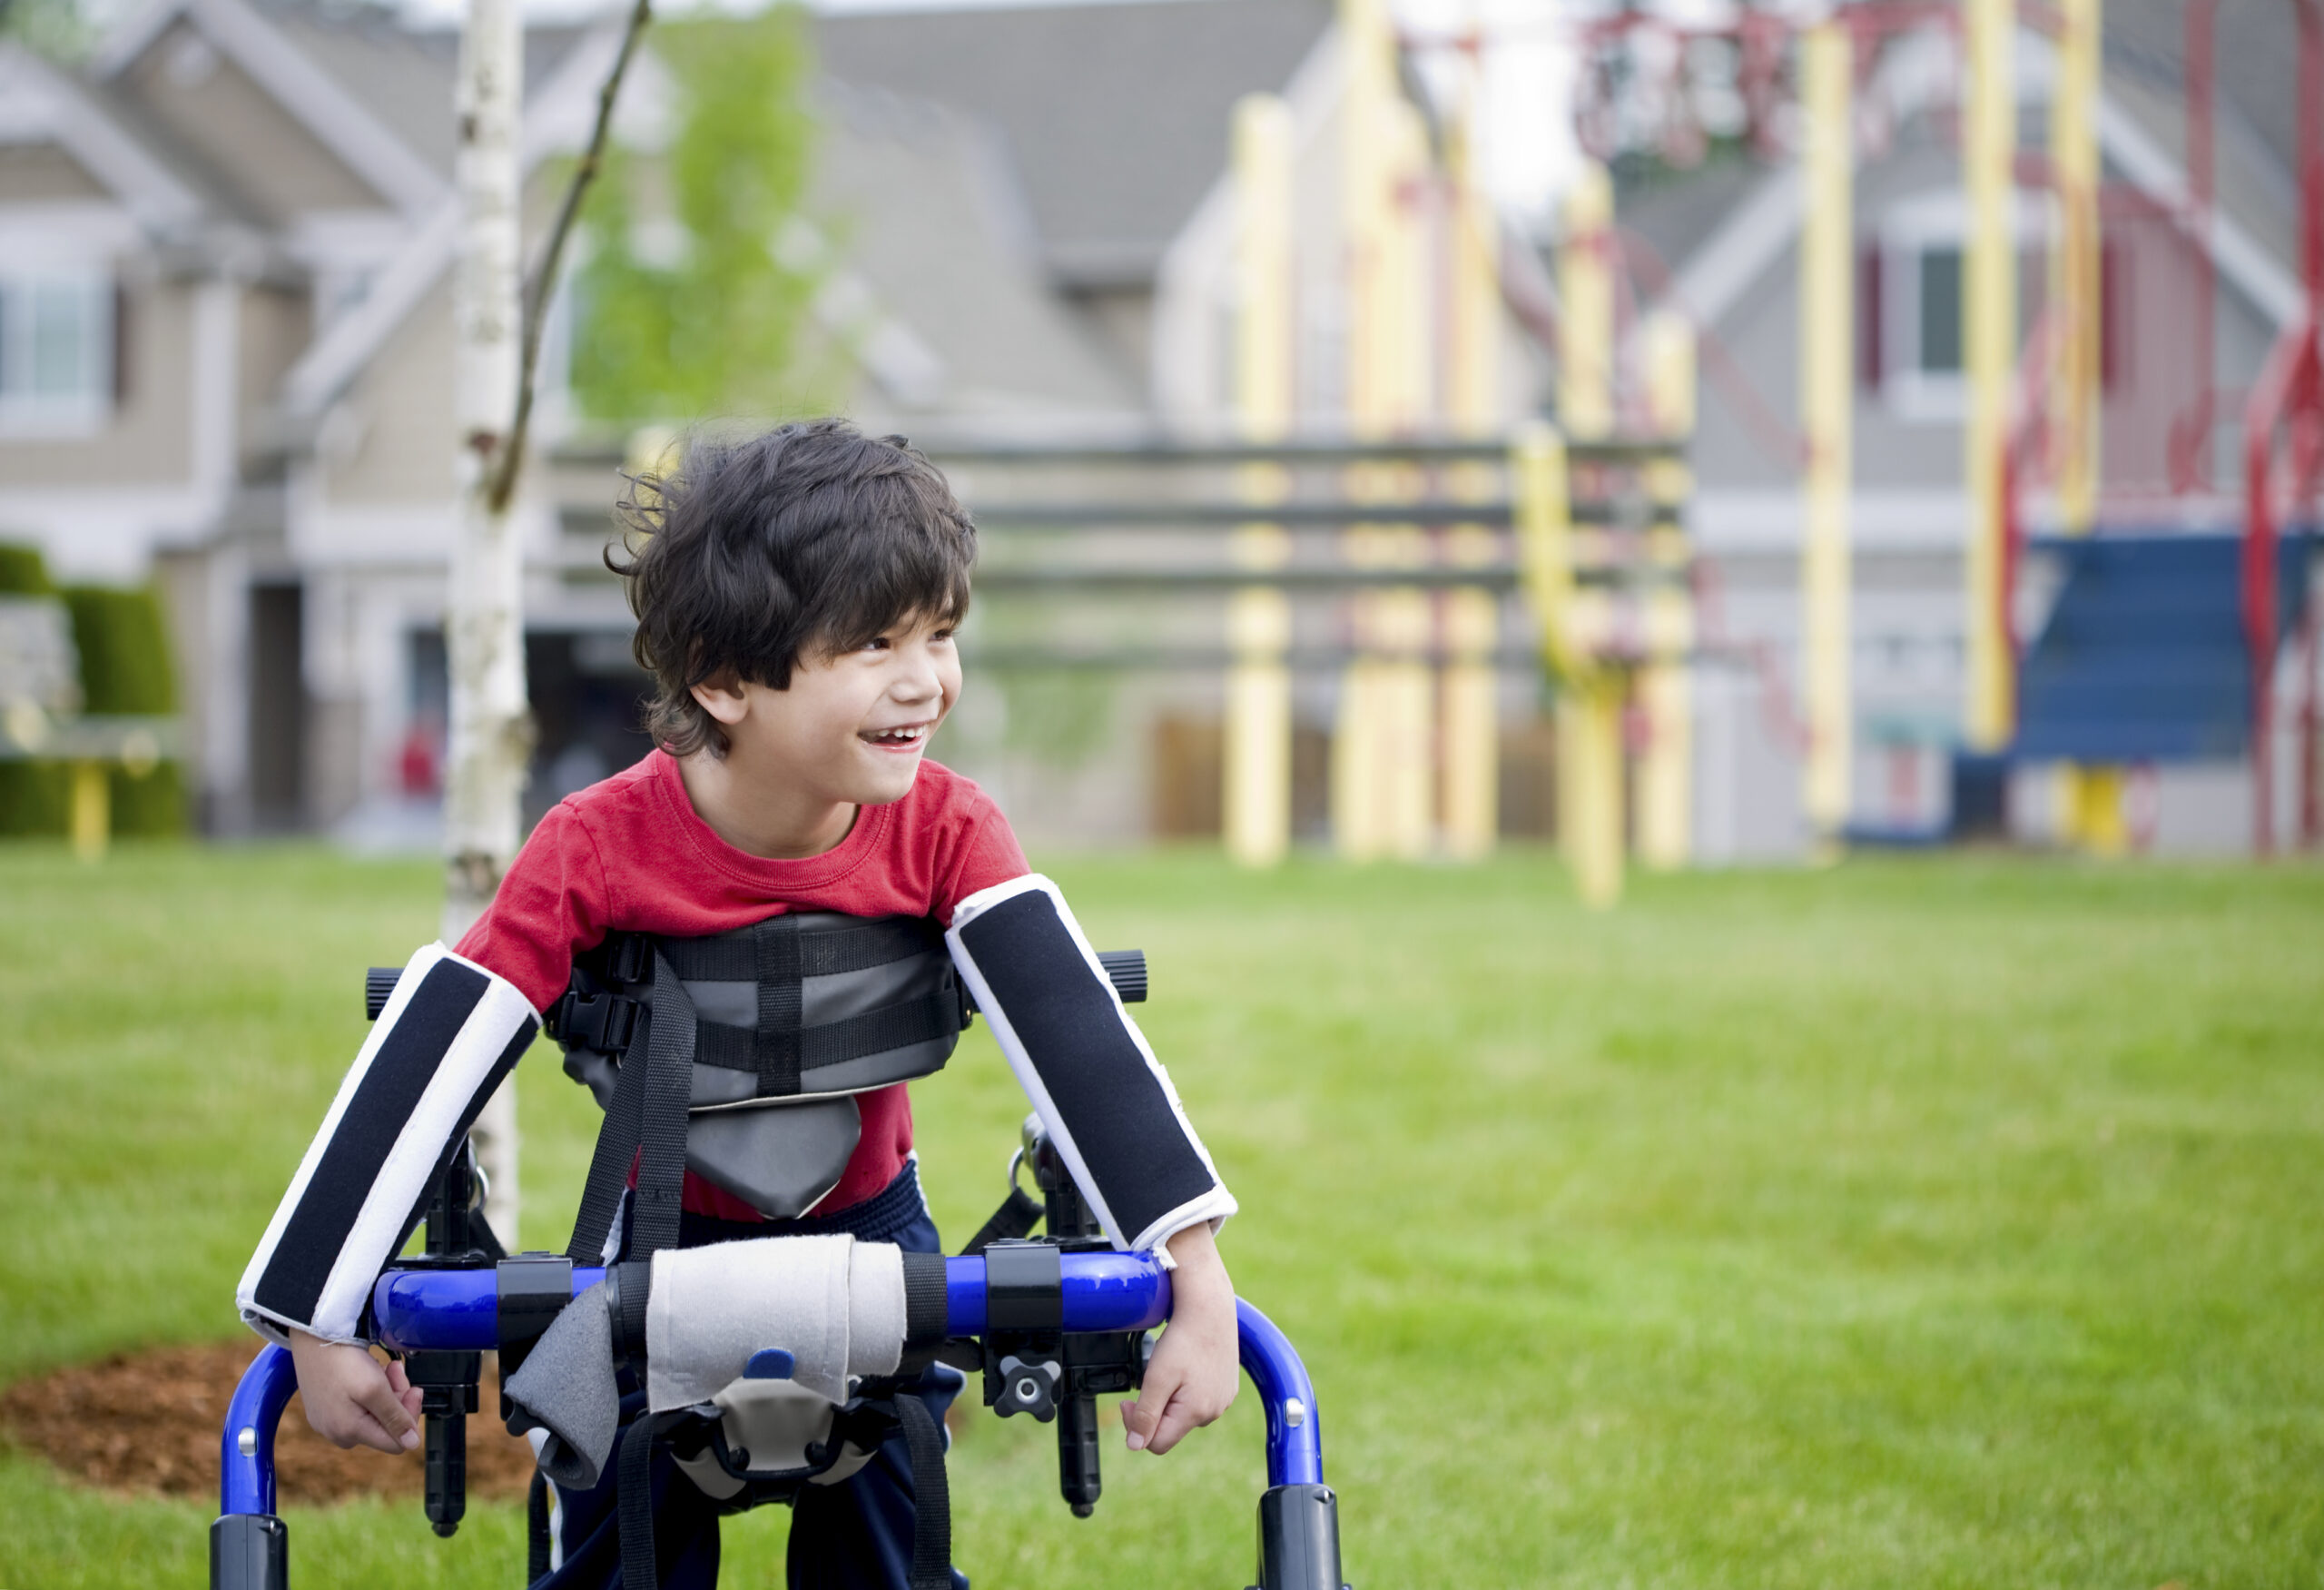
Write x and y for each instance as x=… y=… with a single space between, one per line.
x=1024 y=1289
x=627 y=1286
x=249 y=1551
x=533 y=1290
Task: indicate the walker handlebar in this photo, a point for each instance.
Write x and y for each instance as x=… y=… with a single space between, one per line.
x=458 y=1310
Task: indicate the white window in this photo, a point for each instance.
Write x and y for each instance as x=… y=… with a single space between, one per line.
x=1913 y=345
x=57 y=350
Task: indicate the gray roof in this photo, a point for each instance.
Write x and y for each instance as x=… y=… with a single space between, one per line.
x=925 y=210
x=1115 y=116
x=2256 y=52
x=402 y=76
x=219 y=198
x=1674 y=216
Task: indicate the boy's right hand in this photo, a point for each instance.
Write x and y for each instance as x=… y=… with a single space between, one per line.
x=352 y=1398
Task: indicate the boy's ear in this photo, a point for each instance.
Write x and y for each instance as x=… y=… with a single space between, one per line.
x=722 y=698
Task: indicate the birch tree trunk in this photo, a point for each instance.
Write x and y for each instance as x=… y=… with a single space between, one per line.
x=490 y=729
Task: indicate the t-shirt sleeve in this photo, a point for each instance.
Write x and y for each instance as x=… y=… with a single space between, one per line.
x=552 y=904
x=989 y=854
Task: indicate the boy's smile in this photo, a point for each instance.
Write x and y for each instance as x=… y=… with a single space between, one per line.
x=902 y=738
x=848 y=731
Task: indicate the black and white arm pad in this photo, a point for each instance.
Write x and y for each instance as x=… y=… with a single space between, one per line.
x=1106 y=1102
x=449 y=1033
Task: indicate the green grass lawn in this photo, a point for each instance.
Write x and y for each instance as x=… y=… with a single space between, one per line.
x=1943 y=1223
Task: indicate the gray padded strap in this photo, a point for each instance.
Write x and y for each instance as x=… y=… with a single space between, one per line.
x=781 y=1056
x=821 y=953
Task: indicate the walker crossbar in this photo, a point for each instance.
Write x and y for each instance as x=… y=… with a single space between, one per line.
x=458 y=1310
x=435 y=1310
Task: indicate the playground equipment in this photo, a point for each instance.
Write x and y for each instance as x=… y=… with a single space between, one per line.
x=2170 y=617
x=1827 y=408
x=1371 y=521
x=1587 y=530
x=1052 y=1323
x=2164 y=646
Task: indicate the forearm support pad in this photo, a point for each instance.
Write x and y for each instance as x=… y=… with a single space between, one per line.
x=1106 y=1102
x=449 y=1033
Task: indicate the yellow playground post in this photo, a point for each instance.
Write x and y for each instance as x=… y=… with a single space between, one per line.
x=1589 y=700
x=1383 y=744
x=1989 y=323
x=1257 y=754
x=1826 y=397
x=1470 y=709
x=1663 y=819
x=2090 y=798
x=1590 y=696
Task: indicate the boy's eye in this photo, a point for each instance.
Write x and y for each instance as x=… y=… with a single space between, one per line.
x=878 y=643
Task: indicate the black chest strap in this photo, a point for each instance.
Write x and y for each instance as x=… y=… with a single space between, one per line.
x=645 y=1123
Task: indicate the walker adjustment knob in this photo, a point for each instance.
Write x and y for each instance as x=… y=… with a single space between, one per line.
x=1029 y=1387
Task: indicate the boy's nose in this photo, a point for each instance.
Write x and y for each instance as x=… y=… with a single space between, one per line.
x=920 y=681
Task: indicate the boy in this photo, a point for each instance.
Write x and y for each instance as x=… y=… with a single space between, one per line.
x=796 y=598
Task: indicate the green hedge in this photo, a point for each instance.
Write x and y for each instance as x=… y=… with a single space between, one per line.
x=126 y=667
x=23 y=574
x=32 y=794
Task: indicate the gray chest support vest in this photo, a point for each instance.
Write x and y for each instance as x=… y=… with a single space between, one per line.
x=770 y=1030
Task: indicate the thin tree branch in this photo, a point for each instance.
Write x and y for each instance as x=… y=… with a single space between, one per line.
x=543 y=284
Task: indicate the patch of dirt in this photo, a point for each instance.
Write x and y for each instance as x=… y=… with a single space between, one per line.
x=151 y=1422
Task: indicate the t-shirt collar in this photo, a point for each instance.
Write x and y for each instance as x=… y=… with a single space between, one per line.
x=767 y=872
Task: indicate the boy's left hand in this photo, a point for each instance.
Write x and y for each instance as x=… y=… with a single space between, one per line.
x=1195 y=1371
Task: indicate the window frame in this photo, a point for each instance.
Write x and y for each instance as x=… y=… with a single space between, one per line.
x=1909 y=231
x=45 y=247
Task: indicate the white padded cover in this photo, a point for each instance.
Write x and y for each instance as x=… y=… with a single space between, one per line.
x=835 y=1305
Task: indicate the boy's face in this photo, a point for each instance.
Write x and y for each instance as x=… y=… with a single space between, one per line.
x=852 y=726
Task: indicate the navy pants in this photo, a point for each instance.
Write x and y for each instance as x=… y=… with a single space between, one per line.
x=853 y=1536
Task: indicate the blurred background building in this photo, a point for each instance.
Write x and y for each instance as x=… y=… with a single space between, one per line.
x=225 y=352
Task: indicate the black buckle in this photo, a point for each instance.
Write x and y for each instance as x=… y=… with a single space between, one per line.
x=630 y=957
x=602 y=1021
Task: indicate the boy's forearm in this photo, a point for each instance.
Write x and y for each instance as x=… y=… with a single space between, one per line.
x=1194 y=1256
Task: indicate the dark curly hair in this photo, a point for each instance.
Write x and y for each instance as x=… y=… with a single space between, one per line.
x=812 y=536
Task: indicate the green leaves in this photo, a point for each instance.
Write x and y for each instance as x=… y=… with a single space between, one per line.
x=686 y=306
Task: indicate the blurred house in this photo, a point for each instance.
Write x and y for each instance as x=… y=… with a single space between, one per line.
x=226 y=344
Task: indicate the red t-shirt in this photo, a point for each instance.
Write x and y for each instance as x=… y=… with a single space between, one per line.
x=630 y=854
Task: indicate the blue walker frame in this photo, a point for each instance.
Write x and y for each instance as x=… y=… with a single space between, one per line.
x=458 y=1310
